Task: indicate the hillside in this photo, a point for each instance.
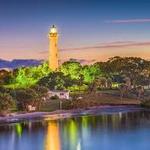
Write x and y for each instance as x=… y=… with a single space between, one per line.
x=19 y=63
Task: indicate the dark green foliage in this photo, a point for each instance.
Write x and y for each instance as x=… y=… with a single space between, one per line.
x=3 y=89
x=146 y=104
x=40 y=90
x=91 y=72
x=34 y=96
x=25 y=97
x=57 y=80
x=131 y=67
x=72 y=69
x=30 y=84
x=6 y=102
x=67 y=104
x=5 y=77
x=85 y=73
x=55 y=97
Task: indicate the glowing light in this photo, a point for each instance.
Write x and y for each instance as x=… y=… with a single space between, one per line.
x=53 y=137
x=73 y=131
x=53 y=29
x=79 y=146
x=18 y=129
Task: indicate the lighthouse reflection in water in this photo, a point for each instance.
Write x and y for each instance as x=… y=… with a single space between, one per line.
x=107 y=131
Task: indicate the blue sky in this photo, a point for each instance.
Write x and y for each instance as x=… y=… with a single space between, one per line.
x=87 y=27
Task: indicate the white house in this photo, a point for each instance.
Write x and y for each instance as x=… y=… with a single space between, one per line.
x=61 y=94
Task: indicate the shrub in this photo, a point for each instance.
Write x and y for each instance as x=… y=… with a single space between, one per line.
x=54 y=97
x=6 y=102
x=146 y=104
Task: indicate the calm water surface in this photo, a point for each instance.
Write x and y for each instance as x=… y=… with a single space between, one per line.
x=117 y=131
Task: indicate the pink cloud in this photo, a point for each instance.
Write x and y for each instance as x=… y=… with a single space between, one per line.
x=107 y=46
x=117 y=44
x=103 y=51
x=129 y=21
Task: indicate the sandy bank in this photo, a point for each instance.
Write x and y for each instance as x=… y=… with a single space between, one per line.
x=59 y=114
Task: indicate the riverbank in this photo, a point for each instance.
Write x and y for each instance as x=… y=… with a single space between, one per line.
x=84 y=101
x=60 y=114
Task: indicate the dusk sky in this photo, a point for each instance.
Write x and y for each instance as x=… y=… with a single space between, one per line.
x=88 y=29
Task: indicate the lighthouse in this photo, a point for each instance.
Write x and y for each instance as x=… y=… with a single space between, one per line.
x=53 y=48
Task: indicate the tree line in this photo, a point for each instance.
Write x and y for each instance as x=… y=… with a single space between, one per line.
x=22 y=84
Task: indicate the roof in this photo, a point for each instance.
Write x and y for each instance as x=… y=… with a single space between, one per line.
x=58 y=91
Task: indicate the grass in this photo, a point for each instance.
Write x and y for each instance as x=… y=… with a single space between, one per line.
x=103 y=99
x=51 y=105
x=106 y=97
x=89 y=101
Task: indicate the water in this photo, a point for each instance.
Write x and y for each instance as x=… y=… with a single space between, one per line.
x=117 y=131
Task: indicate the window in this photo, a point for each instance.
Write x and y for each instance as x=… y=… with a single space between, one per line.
x=61 y=94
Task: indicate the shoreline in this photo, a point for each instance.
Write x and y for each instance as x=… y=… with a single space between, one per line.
x=61 y=114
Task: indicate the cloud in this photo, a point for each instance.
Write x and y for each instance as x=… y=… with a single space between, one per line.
x=111 y=45
x=118 y=44
x=103 y=51
x=147 y=20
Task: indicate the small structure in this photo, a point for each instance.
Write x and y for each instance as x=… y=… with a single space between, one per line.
x=31 y=108
x=60 y=94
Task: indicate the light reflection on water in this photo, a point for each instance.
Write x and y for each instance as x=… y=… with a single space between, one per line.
x=53 y=136
x=119 y=131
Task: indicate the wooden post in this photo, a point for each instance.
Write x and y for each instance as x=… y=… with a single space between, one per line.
x=60 y=104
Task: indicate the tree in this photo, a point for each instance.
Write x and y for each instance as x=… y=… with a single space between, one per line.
x=57 y=81
x=25 y=97
x=140 y=91
x=40 y=90
x=98 y=82
x=91 y=72
x=130 y=67
x=3 y=89
x=42 y=95
x=72 y=69
x=6 y=102
x=123 y=90
x=92 y=87
x=5 y=77
x=101 y=82
x=34 y=96
x=28 y=76
x=109 y=83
